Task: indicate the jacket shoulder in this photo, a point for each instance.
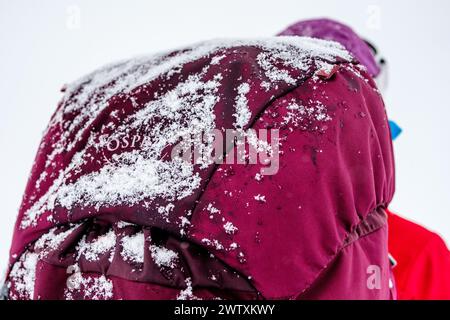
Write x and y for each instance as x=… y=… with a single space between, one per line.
x=404 y=232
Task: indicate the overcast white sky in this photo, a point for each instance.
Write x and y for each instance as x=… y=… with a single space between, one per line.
x=44 y=44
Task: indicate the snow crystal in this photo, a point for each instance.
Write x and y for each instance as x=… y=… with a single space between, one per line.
x=212 y=209
x=92 y=288
x=258 y=177
x=230 y=228
x=217 y=59
x=23 y=276
x=122 y=224
x=101 y=245
x=163 y=257
x=243 y=113
x=40 y=179
x=188 y=293
x=133 y=248
x=51 y=240
x=260 y=198
x=268 y=63
x=265 y=85
x=165 y=210
x=183 y=223
x=241 y=257
x=131 y=182
x=260 y=145
x=356 y=72
x=213 y=243
x=303 y=115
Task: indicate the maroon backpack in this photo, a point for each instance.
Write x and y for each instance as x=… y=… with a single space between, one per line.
x=109 y=213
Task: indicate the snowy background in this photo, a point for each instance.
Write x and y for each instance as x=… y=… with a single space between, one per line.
x=44 y=44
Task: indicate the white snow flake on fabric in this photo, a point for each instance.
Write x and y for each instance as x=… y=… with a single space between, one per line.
x=124 y=224
x=131 y=182
x=133 y=248
x=188 y=293
x=52 y=239
x=243 y=113
x=187 y=109
x=23 y=276
x=163 y=257
x=212 y=209
x=92 y=251
x=297 y=114
x=230 y=228
x=213 y=243
x=260 y=198
x=88 y=287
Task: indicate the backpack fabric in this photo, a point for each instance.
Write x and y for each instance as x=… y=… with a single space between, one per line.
x=109 y=214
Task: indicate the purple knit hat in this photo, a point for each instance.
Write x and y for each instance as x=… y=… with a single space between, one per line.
x=332 y=30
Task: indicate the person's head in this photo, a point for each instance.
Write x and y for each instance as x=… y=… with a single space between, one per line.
x=362 y=50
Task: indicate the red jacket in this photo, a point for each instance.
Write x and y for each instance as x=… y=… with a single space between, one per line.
x=423 y=261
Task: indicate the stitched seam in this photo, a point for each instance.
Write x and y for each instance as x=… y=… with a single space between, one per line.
x=341 y=248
